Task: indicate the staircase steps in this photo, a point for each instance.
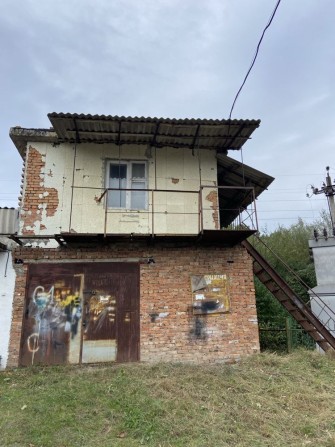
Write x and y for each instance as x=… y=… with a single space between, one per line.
x=299 y=310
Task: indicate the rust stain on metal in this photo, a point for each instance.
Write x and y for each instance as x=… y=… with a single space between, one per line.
x=80 y=312
x=213 y=198
x=175 y=180
x=37 y=198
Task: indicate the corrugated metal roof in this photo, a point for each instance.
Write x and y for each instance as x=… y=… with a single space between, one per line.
x=234 y=173
x=9 y=220
x=157 y=132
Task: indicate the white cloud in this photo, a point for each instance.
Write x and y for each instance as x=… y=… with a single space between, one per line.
x=177 y=59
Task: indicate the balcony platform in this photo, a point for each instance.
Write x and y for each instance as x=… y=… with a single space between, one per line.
x=222 y=238
x=226 y=238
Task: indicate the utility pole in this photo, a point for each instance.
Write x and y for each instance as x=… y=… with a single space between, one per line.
x=328 y=189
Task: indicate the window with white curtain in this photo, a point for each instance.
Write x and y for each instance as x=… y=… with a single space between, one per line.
x=130 y=175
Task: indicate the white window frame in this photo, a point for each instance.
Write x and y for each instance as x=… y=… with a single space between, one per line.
x=129 y=182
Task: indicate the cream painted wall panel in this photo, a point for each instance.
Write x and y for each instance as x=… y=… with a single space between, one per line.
x=192 y=204
x=183 y=174
x=160 y=226
x=127 y=152
x=161 y=163
x=78 y=196
x=176 y=169
x=174 y=164
x=208 y=165
x=191 y=185
x=129 y=222
x=160 y=201
x=162 y=183
x=7 y=282
x=191 y=165
x=89 y=216
x=58 y=175
x=52 y=178
x=86 y=219
x=77 y=219
x=181 y=224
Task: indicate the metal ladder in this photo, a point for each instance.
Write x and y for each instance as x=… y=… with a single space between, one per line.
x=300 y=311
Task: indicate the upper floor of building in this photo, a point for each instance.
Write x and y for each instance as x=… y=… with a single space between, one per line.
x=103 y=176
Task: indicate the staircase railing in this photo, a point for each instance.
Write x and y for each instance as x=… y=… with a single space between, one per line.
x=304 y=312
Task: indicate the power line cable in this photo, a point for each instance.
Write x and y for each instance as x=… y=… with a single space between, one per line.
x=246 y=77
x=254 y=58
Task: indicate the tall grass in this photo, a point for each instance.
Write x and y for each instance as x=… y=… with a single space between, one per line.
x=266 y=400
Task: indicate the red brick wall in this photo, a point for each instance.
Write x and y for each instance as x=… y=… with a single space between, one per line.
x=165 y=288
x=36 y=197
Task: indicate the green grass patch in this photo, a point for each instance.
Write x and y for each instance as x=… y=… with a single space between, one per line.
x=266 y=400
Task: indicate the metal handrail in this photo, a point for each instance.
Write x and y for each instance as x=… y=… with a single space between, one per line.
x=330 y=313
x=252 y=215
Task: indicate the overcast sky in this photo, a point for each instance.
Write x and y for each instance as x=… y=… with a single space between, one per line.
x=181 y=59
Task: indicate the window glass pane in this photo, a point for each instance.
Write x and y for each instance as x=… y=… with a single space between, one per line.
x=138 y=170
x=117 y=179
x=118 y=171
x=138 y=198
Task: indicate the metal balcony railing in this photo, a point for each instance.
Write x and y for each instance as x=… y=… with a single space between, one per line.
x=225 y=208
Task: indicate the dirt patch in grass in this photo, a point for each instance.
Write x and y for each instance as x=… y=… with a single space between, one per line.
x=266 y=400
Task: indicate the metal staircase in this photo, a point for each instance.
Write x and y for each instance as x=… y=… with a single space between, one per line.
x=319 y=330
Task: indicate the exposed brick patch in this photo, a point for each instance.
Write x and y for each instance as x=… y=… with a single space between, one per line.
x=165 y=289
x=213 y=198
x=36 y=197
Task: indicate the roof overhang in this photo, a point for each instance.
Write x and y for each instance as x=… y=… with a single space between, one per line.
x=157 y=132
x=220 y=135
x=236 y=174
x=21 y=136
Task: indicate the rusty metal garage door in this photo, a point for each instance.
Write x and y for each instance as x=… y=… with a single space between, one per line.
x=81 y=313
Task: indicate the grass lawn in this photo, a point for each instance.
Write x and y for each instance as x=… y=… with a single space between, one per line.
x=266 y=400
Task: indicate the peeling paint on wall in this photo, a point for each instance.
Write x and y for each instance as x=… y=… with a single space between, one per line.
x=39 y=201
x=212 y=197
x=50 y=199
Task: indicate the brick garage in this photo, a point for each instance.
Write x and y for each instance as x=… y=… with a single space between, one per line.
x=165 y=289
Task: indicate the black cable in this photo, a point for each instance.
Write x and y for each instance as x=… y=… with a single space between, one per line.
x=255 y=57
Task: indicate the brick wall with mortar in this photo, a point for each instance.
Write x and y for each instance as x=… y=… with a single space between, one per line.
x=165 y=288
x=37 y=199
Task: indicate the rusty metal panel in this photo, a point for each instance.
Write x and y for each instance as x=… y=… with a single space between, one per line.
x=100 y=308
x=128 y=314
x=79 y=312
x=210 y=294
x=51 y=327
